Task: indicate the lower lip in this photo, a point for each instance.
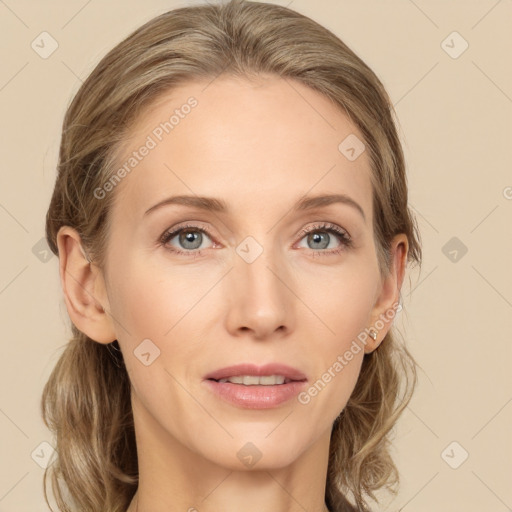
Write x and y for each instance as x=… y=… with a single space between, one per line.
x=256 y=397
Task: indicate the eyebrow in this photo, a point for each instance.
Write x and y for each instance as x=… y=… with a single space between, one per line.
x=220 y=206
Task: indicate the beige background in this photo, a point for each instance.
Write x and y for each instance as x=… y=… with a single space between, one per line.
x=456 y=123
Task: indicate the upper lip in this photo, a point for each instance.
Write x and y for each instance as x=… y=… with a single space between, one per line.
x=251 y=369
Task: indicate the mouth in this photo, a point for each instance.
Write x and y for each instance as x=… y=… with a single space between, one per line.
x=256 y=387
x=252 y=375
x=254 y=380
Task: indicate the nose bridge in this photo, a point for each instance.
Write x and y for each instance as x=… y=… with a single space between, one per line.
x=258 y=266
x=260 y=300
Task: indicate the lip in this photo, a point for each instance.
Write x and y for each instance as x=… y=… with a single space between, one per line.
x=259 y=371
x=256 y=396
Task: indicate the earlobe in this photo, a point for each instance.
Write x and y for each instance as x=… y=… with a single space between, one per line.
x=388 y=302
x=83 y=288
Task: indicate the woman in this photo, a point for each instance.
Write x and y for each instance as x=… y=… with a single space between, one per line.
x=231 y=220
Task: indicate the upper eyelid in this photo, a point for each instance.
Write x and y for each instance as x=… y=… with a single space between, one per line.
x=327 y=226
x=319 y=225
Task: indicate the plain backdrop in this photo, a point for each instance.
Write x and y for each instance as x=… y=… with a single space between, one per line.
x=447 y=68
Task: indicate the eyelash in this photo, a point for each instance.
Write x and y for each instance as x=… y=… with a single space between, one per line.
x=343 y=237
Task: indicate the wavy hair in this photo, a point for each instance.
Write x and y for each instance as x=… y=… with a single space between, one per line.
x=86 y=400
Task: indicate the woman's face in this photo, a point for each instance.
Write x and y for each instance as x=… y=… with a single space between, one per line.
x=266 y=279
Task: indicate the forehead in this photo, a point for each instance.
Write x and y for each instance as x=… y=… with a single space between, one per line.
x=253 y=143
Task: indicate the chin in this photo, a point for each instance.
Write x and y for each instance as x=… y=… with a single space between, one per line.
x=251 y=454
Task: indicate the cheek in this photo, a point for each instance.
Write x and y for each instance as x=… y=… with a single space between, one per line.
x=344 y=310
x=163 y=305
x=337 y=366
x=156 y=307
x=342 y=301
x=152 y=299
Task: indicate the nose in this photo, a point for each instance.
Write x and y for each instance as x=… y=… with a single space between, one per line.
x=261 y=304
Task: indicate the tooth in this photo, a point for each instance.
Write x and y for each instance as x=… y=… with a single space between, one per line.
x=272 y=380
x=268 y=380
x=254 y=380
x=250 y=380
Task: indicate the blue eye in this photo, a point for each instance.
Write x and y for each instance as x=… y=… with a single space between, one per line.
x=190 y=238
x=320 y=236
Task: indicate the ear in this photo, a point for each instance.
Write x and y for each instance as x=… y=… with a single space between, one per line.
x=84 y=288
x=387 y=300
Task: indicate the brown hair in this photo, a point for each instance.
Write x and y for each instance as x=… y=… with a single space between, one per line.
x=86 y=401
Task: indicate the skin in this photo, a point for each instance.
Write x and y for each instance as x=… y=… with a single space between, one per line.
x=260 y=146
